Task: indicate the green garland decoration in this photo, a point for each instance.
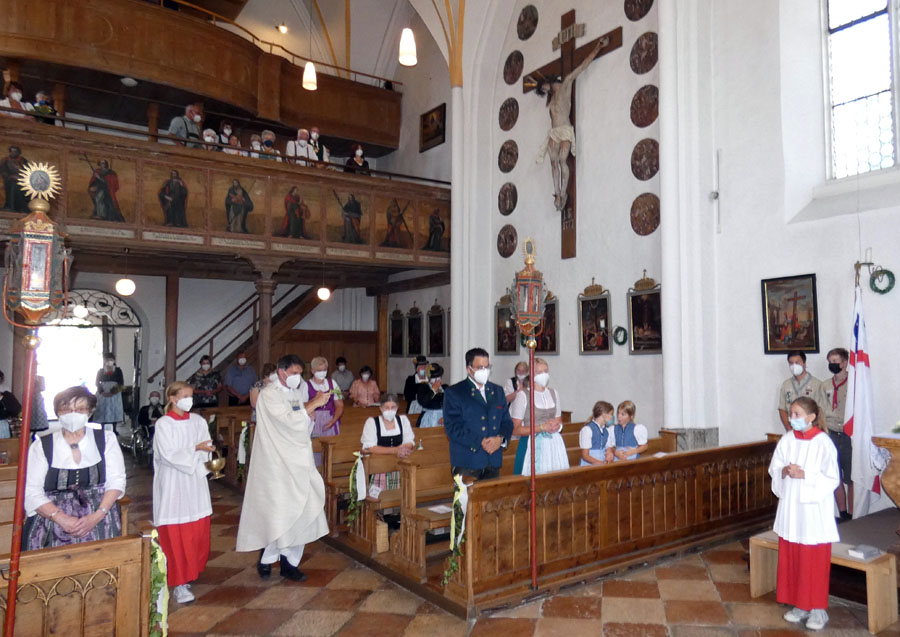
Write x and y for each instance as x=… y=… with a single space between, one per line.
x=877 y=275
x=159 y=590
x=620 y=335
x=353 y=508
x=456 y=541
x=242 y=465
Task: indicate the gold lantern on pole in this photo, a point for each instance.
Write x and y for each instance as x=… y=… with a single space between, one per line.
x=37 y=267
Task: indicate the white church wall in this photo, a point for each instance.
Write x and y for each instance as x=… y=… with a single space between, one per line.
x=607 y=248
x=6 y=344
x=399 y=367
x=763 y=183
x=347 y=309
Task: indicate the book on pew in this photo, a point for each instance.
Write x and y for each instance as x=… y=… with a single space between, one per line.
x=863 y=552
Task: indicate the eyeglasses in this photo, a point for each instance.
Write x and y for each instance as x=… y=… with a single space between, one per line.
x=65 y=409
x=487 y=367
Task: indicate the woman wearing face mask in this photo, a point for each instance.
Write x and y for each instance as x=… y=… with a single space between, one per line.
x=268 y=146
x=357 y=163
x=225 y=130
x=75 y=477
x=211 y=138
x=266 y=377
x=110 y=383
x=388 y=434
x=516 y=382
x=327 y=418
x=181 y=503
x=431 y=396
x=551 y=448
x=255 y=146
x=364 y=390
x=207 y=384
x=14 y=101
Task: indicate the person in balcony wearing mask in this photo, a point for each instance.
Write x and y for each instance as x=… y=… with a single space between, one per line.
x=357 y=163
x=364 y=391
x=76 y=476
x=342 y=376
x=187 y=127
x=327 y=418
x=234 y=147
x=225 y=131
x=239 y=379
x=14 y=101
x=181 y=502
x=43 y=104
x=317 y=146
x=110 y=384
x=211 y=138
x=268 y=146
x=207 y=384
x=300 y=151
x=284 y=502
x=550 y=446
x=800 y=383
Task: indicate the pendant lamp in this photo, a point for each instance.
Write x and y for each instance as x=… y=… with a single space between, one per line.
x=407 y=48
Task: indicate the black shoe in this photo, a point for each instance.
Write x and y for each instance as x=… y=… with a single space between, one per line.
x=846 y=515
x=291 y=572
x=264 y=570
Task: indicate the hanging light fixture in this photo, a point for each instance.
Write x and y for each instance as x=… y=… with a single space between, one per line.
x=283 y=28
x=407 y=48
x=309 y=70
x=125 y=286
x=323 y=293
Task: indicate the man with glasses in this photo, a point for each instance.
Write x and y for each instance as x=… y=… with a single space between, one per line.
x=477 y=421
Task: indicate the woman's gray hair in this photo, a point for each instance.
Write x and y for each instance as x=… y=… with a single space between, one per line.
x=317 y=362
x=388 y=397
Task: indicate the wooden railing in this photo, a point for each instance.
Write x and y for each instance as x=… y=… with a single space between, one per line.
x=335 y=230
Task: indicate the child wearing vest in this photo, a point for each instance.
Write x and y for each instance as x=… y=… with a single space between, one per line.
x=596 y=442
x=630 y=438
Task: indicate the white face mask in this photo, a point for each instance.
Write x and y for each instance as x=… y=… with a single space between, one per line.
x=198 y=118
x=73 y=421
x=436 y=381
x=389 y=414
x=359 y=153
x=481 y=376
x=365 y=377
x=242 y=361
x=15 y=96
x=185 y=404
x=110 y=365
x=293 y=381
x=226 y=131
x=796 y=369
x=273 y=377
x=255 y=145
x=154 y=400
x=421 y=373
x=302 y=143
x=341 y=367
x=314 y=135
x=542 y=379
x=205 y=367
x=321 y=374
x=210 y=139
x=521 y=377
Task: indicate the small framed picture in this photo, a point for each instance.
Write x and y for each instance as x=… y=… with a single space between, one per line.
x=547 y=341
x=790 y=314
x=433 y=128
x=645 y=321
x=396 y=333
x=414 y=332
x=594 y=323
x=506 y=333
x=436 y=331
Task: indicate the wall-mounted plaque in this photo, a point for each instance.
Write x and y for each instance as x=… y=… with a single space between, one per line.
x=507 y=240
x=645 y=106
x=509 y=113
x=528 y=20
x=508 y=156
x=645 y=53
x=645 y=159
x=637 y=9
x=645 y=214
x=507 y=198
x=512 y=69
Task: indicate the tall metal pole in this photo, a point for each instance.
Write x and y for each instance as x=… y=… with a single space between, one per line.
x=531 y=345
x=31 y=343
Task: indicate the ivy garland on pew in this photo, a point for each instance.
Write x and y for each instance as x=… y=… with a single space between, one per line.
x=457 y=528
x=353 y=507
x=245 y=443
x=159 y=591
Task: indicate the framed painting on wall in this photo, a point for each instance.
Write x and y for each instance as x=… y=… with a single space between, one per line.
x=790 y=314
x=433 y=128
x=436 y=331
x=547 y=340
x=593 y=321
x=414 y=332
x=506 y=334
x=396 y=333
x=645 y=321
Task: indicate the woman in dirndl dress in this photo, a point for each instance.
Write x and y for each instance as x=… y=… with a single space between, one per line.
x=551 y=448
x=326 y=419
x=75 y=477
x=388 y=434
x=431 y=396
x=110 y=383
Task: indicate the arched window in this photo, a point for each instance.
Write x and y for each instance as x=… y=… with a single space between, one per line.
x=102 y=309
x=861 y=65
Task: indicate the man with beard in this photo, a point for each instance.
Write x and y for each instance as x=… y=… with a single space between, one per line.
x=351 y=211
x=103 y=187
x=9 y=170
x=296 y=212
x=173 y=199
x=237 y=206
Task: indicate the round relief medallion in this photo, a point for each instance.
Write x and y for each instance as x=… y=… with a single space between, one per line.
x=645 y=159
x=645 y=53
x=507 y=198
x=637 y=9
x=507 y=240
x=645 y=214
x=528 y=20
x=509 y=113
x=512 y=69
x=509 y=155
x=645 y=106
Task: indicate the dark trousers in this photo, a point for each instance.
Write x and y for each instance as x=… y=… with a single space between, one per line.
x=488 y=473
x=234 y=402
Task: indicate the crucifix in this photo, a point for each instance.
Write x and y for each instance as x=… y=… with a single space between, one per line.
x=557 y=79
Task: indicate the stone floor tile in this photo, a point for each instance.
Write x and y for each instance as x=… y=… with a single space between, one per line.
x=701 y=631
x=626 y=610
x=491 y=627
x=357 y=578
x=691 y=612
x=563 y=627
x=329 y=561
x=231 y=559
x=375 y=625
x=250 y=577
x=398 y=602
x=758 y=615
x=287 y=597
x=678 y=571
x=222 y=543
x=216 y=574
x=227 y=518
x=313 y=623
x=336 y=599
x=233 y=596
x=193 y=618
x=726 y=557
x=436 y=625
x=645 y=574
x=622 y=588
x=729 y=572
x=315 y=577
x=523 y=611
x=694 y=590
x=740 y=592
x=430 y=609
x=253 y=621
x=573 y=607
x=782 y=632
x=633 y=630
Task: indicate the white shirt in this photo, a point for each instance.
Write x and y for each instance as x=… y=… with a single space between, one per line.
x=300 y=152
x=35 y=496
x=26 y=106
x=369 y=436
x=542 y=400
x=586 y=437
x=319 y=386
x=180 y=487
x=806 y=505
x=508 y=386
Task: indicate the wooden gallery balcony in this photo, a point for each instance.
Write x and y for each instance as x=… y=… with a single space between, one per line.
x=197 y=206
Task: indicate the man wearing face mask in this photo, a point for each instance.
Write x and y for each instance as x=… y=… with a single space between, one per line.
x=151 y=412
x=342 y=376
x=268 y=146
x=225 y=130
x=801 y=383
x=476 y=420
x=14 y=101
x=284 y=503
x=239 y=379
x=301 y=150
x=43 y=104
x=317 y=146
x=211 y=138
x=835 y=391
x=187 y=126
x=410 y=388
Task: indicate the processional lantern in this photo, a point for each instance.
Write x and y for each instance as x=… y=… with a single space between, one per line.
x=37 y=267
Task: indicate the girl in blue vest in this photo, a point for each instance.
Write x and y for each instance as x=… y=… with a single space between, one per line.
x=596 y=440
x=631 y=439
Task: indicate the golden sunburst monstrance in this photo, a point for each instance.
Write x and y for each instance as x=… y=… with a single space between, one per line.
x=39 y=180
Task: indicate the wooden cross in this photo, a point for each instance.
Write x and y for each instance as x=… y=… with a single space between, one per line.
x=569 y=58
x=794 y=299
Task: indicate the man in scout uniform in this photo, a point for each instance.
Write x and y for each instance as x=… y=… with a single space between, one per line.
x=801 y=383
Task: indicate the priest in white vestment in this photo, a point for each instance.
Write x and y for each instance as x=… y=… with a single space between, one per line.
x=284 y=503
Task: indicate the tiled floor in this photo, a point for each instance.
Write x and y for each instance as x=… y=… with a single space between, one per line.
x=703 y=595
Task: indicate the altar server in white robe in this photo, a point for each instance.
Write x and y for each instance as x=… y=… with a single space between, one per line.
x=181 y=504
x=284 y=503
x=805 y=473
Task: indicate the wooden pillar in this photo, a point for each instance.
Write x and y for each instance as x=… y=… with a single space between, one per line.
x=172 y=282
x=152 y=121
x=59 y=99
x=265 y=288
x=381 y=346
x=11 y=74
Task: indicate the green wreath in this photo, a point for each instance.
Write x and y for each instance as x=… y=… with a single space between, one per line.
x=877 y=275
x=620 y=335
